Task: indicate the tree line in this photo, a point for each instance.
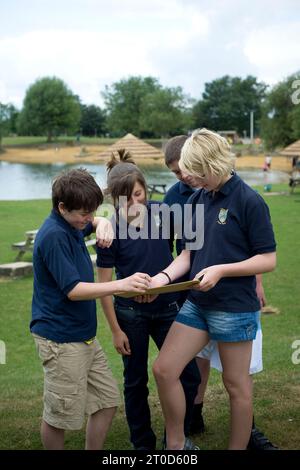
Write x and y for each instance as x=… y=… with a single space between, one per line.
x=142 y=106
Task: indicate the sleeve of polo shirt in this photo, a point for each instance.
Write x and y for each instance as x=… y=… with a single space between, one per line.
x=106 y=256
x=60 y=262
x=259 y=227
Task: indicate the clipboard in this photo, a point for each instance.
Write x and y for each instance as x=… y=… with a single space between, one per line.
x=180 y=286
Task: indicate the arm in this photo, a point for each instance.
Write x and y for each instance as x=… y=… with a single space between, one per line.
x=120 y=340
x=260 y=292
x=104 y=232
x=138 y=282
x=178 y=267
x=257 y=264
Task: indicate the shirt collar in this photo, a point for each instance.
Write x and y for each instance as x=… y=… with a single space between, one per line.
x=185 y=188
x=64 y=224
x=229 y=185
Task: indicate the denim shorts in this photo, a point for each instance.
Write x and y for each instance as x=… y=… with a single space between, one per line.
x=221 y=326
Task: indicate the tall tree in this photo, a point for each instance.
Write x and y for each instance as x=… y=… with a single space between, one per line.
x=280 y=122
x=123 y=101
x=226 y=103
x=4 y=121
x=49 y=108
x=93 y=120
x=165 y=112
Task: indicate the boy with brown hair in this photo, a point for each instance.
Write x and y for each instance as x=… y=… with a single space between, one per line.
x=77 y=379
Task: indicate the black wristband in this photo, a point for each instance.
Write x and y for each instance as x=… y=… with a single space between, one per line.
x=166 y=274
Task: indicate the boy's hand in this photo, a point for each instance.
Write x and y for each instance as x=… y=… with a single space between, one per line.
x=156 y=281
x=138 y=282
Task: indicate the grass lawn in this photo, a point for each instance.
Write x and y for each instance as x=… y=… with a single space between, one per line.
x=34 y=141
x=276 y=390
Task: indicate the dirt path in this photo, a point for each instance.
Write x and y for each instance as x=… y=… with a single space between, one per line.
x=90 y=154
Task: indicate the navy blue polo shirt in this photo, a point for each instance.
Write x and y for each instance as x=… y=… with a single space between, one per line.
x=146 y=255
x=237 y=226
x=60 y=261
x=179 y=193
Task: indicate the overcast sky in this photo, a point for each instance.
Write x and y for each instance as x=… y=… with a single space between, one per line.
x=93 y=43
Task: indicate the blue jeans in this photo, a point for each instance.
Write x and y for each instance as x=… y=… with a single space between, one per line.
x=139 y=325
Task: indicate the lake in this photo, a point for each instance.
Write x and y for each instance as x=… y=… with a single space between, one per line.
x=19 y=181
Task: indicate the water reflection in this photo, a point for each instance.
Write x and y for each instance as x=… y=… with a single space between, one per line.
x=20 y=181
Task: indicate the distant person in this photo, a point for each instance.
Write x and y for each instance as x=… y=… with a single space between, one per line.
x=268 y=161
x=77 y=379
x=295 y=161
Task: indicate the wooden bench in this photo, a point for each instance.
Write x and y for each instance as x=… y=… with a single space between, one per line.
x=156 y=188
x=27 y=245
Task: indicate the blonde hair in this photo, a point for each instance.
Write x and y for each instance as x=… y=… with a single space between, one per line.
x=206 y=152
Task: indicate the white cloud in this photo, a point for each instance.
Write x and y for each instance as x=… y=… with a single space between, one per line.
x=274 y=51
x=88 y=60
x=93 y=43
x=83 y=59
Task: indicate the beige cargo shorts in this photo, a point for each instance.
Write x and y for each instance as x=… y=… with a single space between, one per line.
x=77 y=382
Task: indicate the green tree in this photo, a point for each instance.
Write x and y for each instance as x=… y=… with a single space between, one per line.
x=226 y=103
x=4 y=121
x=49 y=108
x=280 y=122
x=165 y=112
x=123 y=101
x=93 y=120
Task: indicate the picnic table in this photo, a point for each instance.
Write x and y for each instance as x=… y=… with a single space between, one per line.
x=27 y=244
x=156 y=188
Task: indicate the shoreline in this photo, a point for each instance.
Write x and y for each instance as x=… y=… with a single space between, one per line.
x=90 y=154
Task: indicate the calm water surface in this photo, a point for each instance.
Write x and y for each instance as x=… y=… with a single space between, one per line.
x=20 y=181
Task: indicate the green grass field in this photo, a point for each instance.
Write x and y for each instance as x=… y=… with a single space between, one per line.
x=35 y=141
x=276 y=390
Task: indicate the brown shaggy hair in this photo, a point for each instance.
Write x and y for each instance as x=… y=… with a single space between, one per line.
x=122 y=176
x=77 y=189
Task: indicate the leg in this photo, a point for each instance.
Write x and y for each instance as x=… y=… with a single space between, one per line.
x=197 y=423
x=190 y=377
x=204 y=369
x=235 y=358
x=136 y=326
x=97 y=428
x=258 y=441
x=52 y=438
x=102 y=399
x=181 y=345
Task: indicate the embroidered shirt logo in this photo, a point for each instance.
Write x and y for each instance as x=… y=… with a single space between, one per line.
x=222 y=216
